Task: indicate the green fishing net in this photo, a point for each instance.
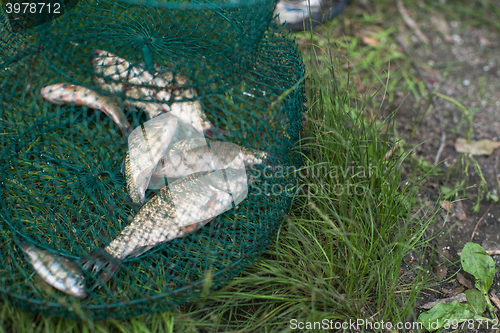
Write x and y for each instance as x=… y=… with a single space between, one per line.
x=63 y=180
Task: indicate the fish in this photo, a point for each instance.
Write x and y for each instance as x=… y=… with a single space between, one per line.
x=58 y=271
x=63 y=93
x=154 y=93
x=175 y=211
x=193 y=155
x=129 y=87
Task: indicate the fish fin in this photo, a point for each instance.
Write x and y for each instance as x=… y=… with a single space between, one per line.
x=210 y=203
x=101 y=260
x=95 y=260
x=24 y=245
x=209 y=133
x=213 y=132
x=139 y=251
x=109 y=271
x=190 y=228
x=136 y=206
x=122 y=169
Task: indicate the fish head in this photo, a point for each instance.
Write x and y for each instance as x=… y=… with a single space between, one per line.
x=76 y=286
x=53 y=93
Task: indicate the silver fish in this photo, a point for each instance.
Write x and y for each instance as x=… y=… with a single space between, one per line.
x=152 y=93
x=193 y=155
x=61 y=273
x=183 y=207
x=62 y=93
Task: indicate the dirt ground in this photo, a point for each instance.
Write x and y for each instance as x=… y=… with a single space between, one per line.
x=462 y=62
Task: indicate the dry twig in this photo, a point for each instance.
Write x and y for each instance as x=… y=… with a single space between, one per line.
x=411 y=22
x=443 y=138
x=477 y=224
x=490 y=252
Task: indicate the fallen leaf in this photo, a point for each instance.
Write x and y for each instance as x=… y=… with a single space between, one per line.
x=455 y=291
x=446 y=204
x=463 y=281
x=495 y=300
x=411 y=23
x=459 y=298
x=369 y=40
x=481 y=147
x=459 y=210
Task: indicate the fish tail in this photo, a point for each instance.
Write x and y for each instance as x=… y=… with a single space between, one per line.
x=24 y=245
x=106 y=275
x=101 y=260
x=113 y=110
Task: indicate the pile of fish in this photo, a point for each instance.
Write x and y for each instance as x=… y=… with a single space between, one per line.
x=204 y=178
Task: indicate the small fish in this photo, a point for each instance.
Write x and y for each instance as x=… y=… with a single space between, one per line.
x=186 y=205
x=62 y=93
x=61 y=273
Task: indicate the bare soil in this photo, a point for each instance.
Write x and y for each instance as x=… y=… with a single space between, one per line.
x=464 y=65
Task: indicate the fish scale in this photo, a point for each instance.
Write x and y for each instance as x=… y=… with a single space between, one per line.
x=154 y=93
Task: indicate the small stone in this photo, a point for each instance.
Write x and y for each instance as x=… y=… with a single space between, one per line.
x=457 y=39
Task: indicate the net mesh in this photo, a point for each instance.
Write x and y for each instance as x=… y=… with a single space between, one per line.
x=80 y=233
